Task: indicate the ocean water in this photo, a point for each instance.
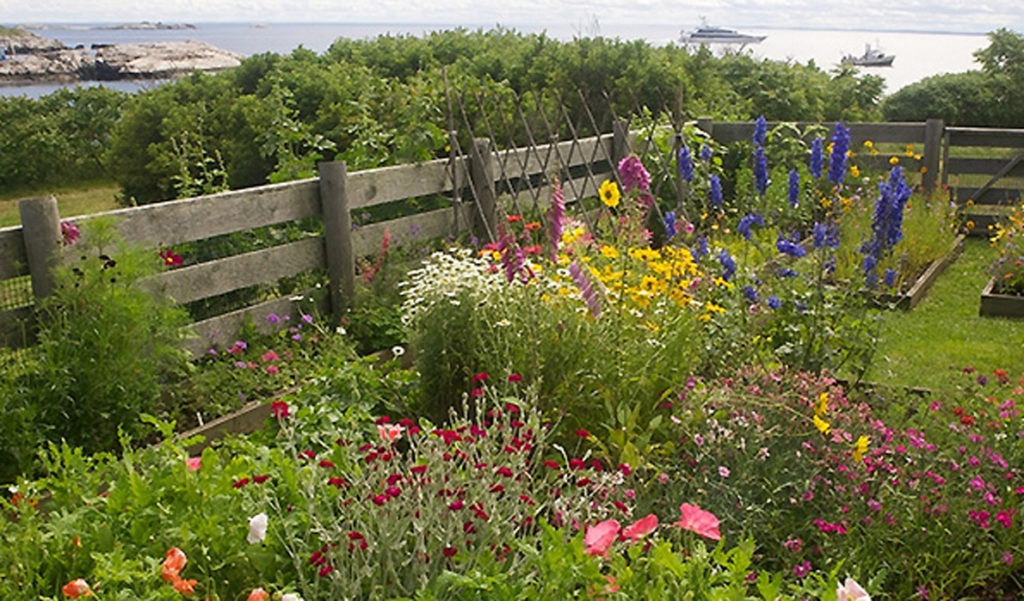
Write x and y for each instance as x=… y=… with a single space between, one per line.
x=918 y=54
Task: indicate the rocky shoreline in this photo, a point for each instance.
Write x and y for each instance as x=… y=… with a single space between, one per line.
x=31 y=58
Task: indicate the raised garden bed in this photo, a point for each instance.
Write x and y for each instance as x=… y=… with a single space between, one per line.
x=920 y=287
x=994 y=304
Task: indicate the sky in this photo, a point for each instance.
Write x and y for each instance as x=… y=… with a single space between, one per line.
x=914 y=15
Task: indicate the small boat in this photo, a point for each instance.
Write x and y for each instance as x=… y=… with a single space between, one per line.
x=706 y=34
x=872 y=57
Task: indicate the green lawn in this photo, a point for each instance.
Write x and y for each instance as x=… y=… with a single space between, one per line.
x=81 y=199
x=930 y=345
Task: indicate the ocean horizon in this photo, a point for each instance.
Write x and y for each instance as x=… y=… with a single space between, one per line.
x=919 y=54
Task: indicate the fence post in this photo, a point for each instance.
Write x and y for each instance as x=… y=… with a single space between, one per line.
x=707 y=125
x=933 y=134
x=481 y=174
x=341 y=263
x=40 y=222
x=620 y=141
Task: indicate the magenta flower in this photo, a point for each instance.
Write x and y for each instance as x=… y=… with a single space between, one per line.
x=801 y=570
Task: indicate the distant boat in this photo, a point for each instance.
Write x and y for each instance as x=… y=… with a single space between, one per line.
x=872 y=57
x=706 y=34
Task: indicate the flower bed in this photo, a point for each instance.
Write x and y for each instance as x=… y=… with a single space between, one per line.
x=994 y=304
x=920 y=286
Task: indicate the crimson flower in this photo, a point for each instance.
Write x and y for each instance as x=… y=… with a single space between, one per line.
x=279 y=409
x=171 y=258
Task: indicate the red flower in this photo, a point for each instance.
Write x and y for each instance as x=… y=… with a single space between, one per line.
x=325 y=570
x=504 y=471
x=456 y=505
x=577 y=464
x=171 y=258
x=497 y=487
x=551 y=464
x=600 y=537
x=279 y=409
x=326 y=463
x=449 y=551
x=337 y=482
x=261 y=478
x=419 y=469
x=582 y=433
x=641 y=528
x=379 y=500
x=513 y=378
x=382 y=420
x=240 y=482
x=393 y=491
x=480 y=377
x=477 y=393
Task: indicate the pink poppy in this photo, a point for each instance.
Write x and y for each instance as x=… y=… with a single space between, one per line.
x=599 y=538
x=641 y=528
x=696 y=519
x=389 y=432
x=193 y=463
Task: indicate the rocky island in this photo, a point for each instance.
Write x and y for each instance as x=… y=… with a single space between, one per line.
x=27 y=57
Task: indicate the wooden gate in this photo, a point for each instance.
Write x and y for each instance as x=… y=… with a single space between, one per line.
x=984 y=170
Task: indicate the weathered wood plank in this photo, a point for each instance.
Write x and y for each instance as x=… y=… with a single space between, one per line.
x=13 y=261
x=240 y=271
x=246 y=420
x=992 y=196
x=520 y=162
x=879 y=133
x=408 y=230
x=177 y=221
x=994 y=304
x=986 y=136
x=16 y=329
x=573 y=190
x=976 y=166
x=387 y=184
x=219 y=331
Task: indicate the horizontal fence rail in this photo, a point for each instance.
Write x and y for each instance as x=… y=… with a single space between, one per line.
x=492 y=182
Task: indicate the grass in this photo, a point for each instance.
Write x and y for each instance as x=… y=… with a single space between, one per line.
x=78 y=199
x=930 y=345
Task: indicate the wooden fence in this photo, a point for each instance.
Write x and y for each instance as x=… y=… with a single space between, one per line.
x=32 y=249
x=29 y=251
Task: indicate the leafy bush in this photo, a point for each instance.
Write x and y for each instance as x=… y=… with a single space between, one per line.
x=1008 y=268
x=107 y=346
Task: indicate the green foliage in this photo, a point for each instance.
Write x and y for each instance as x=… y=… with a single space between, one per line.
x=107 y=345
x=986 y=97
x=58 y=139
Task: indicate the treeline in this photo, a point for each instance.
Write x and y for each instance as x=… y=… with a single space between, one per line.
x=383 y=101
x=992 y=96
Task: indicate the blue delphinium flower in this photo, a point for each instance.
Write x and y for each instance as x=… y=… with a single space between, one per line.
x=760 y=131
x=728 y=265
x=747 y=222
x=685 y=164
x=706 y=153
x=887 y=221
x=760 y=170
x=817 y=162
x=794 y=187
x=786 y=272
x=890 y=277
x=826 y=234
x=716 y=191
x=750 y=294
x=773 y=302
x=790 y=247
x=840 y=146
x=670 y=224
x=869 y=263
x=701 y=249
